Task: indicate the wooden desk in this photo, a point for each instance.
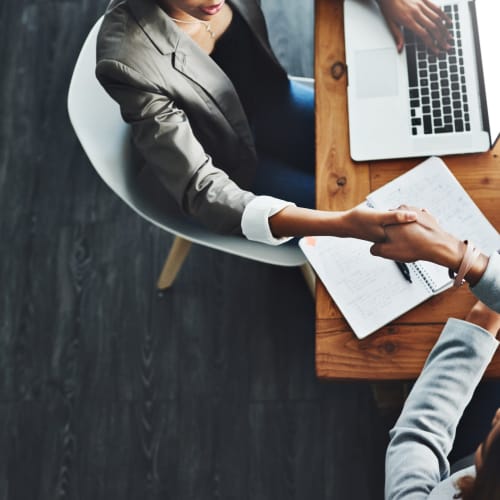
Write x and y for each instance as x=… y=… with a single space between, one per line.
x=398 y=350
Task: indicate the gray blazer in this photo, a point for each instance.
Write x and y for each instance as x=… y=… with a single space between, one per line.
x=188 y=124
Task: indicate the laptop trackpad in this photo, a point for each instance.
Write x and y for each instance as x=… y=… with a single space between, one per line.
x=376 y=73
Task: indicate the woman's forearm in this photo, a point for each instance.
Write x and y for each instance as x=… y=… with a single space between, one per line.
x=359 y=222
x=450 y=255
x=296 y=221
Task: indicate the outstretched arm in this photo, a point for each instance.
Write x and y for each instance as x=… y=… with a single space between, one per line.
x=359 y=222
x=416 y=459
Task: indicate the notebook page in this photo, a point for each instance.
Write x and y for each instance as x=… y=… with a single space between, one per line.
x=370 y=291
x=431 y=185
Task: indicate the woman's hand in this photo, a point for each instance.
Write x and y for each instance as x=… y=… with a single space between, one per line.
x=427 y=240
x=484 y=317
x=424 y=240
x=368 y=224
x=422 y=17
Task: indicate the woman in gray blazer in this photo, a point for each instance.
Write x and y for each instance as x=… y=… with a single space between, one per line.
x=417 y=464
x=217 y=124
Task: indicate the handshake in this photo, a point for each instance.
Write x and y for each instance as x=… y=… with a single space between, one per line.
x=423 y=239
x=407 y=234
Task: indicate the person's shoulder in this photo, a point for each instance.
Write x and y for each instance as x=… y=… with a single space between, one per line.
x=123 y=48
x=118 y=30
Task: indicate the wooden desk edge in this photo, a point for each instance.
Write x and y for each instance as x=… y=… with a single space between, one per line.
x=395 y=352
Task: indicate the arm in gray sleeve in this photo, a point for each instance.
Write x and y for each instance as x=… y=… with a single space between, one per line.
x=162 y=134
x=416 y=459
x=487 y=290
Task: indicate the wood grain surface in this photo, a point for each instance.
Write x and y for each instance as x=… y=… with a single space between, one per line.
x=397 y=351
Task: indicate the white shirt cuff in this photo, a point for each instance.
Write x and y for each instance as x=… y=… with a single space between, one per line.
x=255 y=219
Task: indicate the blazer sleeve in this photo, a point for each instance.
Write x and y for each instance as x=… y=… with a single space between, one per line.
x=416 y=459
x=163 y=136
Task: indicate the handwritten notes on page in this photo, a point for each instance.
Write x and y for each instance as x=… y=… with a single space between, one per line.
x=370 y=291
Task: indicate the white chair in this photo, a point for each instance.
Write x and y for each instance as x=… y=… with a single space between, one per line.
x=105 y=138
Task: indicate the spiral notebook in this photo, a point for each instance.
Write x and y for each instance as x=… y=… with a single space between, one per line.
x=371 y=291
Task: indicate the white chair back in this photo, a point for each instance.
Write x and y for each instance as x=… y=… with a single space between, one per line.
x=105 y=138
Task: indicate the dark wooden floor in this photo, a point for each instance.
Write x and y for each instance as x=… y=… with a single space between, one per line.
x=109 y=391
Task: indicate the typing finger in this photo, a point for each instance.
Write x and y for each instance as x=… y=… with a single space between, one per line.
x=425 y=36
x=445 y=19
x=434 y=24
x=436 y=29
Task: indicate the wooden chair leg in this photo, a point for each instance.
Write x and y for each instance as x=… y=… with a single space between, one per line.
x=310 y=277
x=178 y=252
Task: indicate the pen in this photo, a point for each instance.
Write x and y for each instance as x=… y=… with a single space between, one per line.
x=404 y=270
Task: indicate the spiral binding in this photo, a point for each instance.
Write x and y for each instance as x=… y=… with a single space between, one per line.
x=425 y=277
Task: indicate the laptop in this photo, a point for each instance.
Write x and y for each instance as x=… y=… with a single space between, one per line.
x=416 y=103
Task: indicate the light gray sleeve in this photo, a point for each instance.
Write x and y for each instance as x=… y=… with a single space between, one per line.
x=487 y=290
x=416 y=459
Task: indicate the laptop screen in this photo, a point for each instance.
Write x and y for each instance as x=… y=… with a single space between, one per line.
x=488 y=14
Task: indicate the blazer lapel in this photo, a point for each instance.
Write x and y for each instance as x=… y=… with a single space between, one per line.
x=189 y=59
x=155 y=24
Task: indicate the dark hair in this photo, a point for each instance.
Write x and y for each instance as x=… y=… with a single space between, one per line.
x=486 y=484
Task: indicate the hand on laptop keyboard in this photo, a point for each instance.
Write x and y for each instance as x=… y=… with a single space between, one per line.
x=422 y=17
x=438 y=89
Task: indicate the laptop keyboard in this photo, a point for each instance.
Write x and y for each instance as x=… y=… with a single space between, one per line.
x=437 y=86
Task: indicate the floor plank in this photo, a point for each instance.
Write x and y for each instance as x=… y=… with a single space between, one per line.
x=111 y=390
